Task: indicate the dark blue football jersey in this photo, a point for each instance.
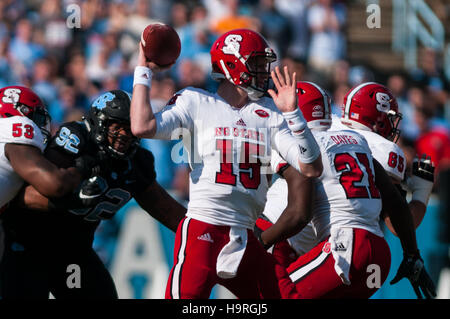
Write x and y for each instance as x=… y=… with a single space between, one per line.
x=125 y=178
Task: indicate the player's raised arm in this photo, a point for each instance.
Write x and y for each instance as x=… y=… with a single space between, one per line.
x=309 y=159
x=143 y=123
x=158 y=50
x=160 y=205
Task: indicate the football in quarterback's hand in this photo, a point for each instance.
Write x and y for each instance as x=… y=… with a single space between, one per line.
x=161 y=44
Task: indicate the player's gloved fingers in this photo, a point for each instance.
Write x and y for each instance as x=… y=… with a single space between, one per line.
x=426 y=161
x=96 y=170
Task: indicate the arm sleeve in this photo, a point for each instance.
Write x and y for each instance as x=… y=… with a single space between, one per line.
x=145 y=164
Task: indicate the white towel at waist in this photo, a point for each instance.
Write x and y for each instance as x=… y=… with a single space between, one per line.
x=341 y=240
x=231 y=254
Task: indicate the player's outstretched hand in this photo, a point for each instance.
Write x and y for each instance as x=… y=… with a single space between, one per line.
x=88 y=194
x=421 y=182
x=285 y=98
x=412 y=267
x=91 y=191
x=143 y=61
x=423 y=168
x=87 y=165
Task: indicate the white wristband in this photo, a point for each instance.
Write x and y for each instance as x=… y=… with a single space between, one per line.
x=309 y=150
x=295 y=120
x=143 y=75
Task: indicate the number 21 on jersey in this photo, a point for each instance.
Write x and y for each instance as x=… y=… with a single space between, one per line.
x=357 y=177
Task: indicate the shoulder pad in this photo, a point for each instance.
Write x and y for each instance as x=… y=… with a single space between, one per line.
x=70 y=138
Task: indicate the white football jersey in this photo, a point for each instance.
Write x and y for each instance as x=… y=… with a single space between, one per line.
x=336 y=192
x=345 y=193
x=387 y=153
x=229 y=153
x=16 y=130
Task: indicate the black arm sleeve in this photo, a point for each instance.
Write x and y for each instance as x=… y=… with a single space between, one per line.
x=144 y=162
x=401 y=190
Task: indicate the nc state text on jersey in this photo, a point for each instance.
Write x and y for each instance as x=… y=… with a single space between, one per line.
x=241 y=132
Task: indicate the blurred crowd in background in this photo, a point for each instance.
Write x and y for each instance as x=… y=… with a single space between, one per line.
x=69 y=66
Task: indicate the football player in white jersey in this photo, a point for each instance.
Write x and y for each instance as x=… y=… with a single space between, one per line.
x=232 y=133
x=346 y=207
x=24 y=129
x=371 y=110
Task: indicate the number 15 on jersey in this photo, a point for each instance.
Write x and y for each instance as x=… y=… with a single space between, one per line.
x=249 y=167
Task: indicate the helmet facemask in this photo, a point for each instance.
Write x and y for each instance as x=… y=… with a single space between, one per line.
x=42 y=120
x=109 y=108
x=100 y=130
x=394 y=118
x=117 y=135
x=256 y=81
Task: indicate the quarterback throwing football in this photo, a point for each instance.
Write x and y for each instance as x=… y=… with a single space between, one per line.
x=232 y=133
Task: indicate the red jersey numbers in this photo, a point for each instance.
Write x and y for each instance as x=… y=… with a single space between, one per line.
x=396 y=160
x=225 y=175
x=26 y=130
x=249 y=167
x=353 y=172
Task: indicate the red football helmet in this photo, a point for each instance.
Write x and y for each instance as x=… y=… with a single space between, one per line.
x=21 y=101
x=315 y=105
x=371 y=106
x=243 y=57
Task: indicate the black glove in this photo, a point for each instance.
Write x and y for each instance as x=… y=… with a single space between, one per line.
x=412 y=267
x=88 y=194
x=87 y=166
x=424 y=168
x=91 y=190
